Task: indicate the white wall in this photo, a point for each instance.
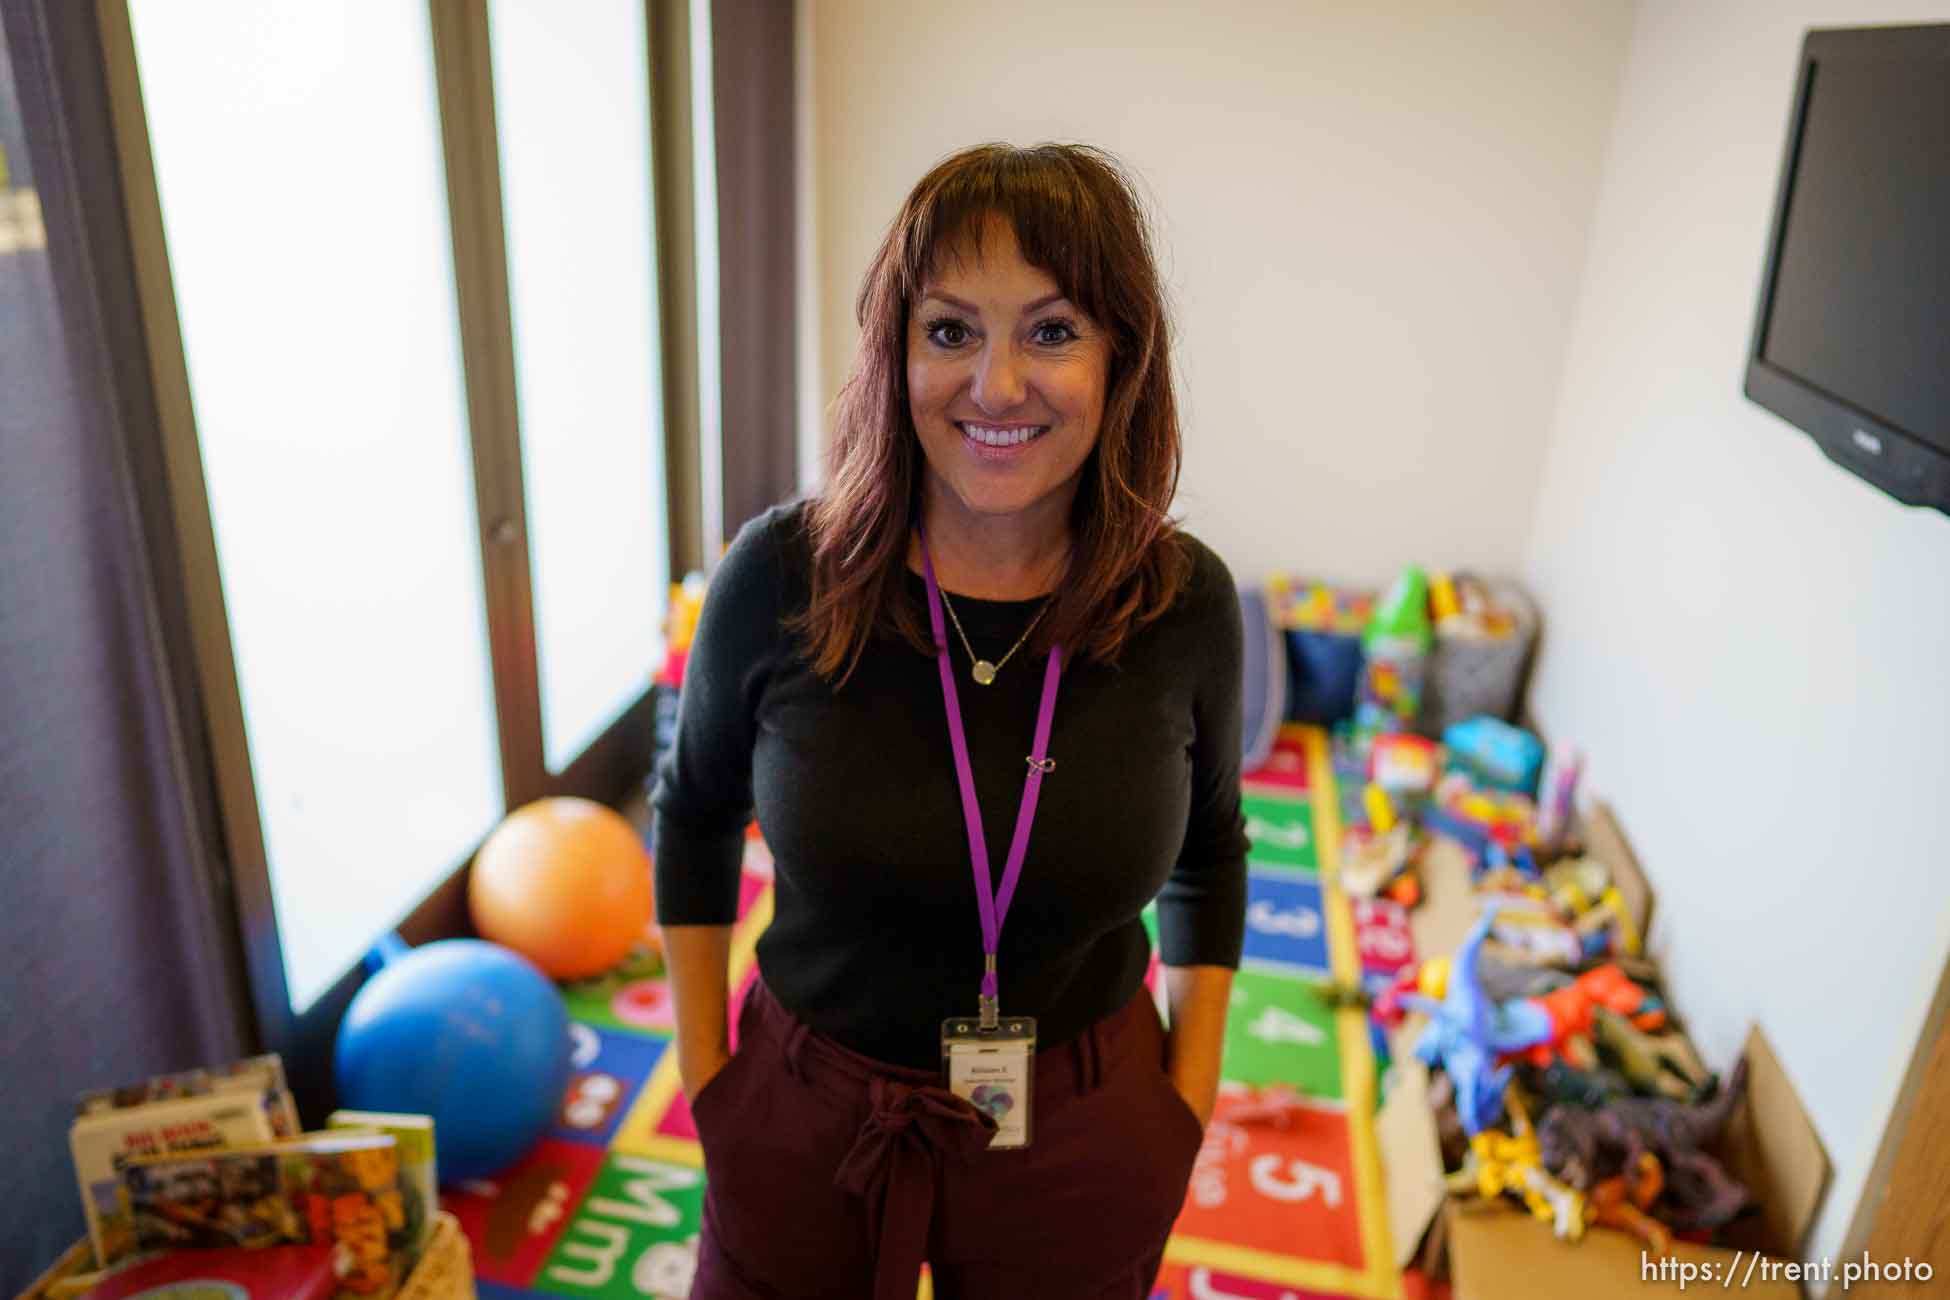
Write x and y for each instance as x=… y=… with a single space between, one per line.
x=1372 y=221
x=1751 y=643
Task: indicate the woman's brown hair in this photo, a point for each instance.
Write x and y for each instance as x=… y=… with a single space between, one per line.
x=1076 y=215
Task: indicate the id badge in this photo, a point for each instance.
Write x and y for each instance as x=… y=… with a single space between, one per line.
x=994 y=1071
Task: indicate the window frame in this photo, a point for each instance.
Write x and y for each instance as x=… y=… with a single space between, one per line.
x=205 y=669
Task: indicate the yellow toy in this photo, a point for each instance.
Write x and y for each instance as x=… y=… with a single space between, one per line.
x=1510 y=1162
x=1381 y=813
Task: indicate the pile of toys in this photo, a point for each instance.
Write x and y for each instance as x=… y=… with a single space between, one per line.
x=1556 y=1072
x=1478 y=787
x=1561 y=1080
x=1301 y=604
x=1434 y=649
x=1458 y=604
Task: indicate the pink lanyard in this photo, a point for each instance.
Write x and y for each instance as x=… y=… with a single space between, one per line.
x=994 y=905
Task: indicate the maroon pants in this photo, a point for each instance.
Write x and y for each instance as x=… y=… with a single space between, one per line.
x=834 y=1175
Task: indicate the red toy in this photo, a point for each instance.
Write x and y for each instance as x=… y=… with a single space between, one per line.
x=1570 y=1009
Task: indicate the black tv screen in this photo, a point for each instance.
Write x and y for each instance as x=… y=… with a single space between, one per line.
x=1852 y=337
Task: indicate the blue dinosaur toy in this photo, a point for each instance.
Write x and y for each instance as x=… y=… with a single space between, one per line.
x=1467 y=1031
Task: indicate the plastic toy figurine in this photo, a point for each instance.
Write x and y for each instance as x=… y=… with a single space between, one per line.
x=1499 y=980
x=1699 y=1194
x=1510 y=1162
x=1640 y=1058
x=1606 y=928
x=1621 y=1202
x=1528 y=934
x=1562 y=1084
x=1467 y=1033
x=1429 y=979
x=1404 y=889
x=1476 y=818
x=1576 y=884
x=1370 y=863
x=1403 y=764
x=1339 y=996
x=1381 y=813
x=1504 y=980
x=1475 y=614
x=1443 y=604
x=1571 y=1008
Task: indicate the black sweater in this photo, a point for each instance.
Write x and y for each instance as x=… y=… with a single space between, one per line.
x=875 y=935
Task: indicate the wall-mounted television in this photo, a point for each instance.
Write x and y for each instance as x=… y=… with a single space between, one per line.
x=1851 y=340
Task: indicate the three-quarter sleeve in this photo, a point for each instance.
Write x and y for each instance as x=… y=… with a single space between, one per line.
x=703 y=796
x=1202 y=909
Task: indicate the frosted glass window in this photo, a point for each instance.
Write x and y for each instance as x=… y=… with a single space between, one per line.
x=572 y=112
x=298 y=157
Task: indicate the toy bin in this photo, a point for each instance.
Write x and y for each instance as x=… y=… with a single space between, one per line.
x=445 y=1270
x=1322 y=670
x=1472 y=676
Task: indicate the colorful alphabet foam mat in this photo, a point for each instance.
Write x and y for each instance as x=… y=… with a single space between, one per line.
x=1285 y=1202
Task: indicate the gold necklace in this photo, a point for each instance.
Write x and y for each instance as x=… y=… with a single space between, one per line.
x=982 y=670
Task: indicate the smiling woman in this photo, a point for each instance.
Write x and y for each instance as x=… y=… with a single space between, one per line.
x=1004 y=455
x=1043 y=243
x=1005 y=381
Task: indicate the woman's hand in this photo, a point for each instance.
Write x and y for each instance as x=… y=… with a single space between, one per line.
x=1198 y=997
x=1201 y=1101
x=696 y=1075
x=698 y=958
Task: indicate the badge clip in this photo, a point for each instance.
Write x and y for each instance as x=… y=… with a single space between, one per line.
x=994 y=1070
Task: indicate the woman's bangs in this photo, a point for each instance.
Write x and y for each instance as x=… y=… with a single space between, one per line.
x=1050 y=210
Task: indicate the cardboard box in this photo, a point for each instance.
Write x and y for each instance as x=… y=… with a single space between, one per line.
x=1498 y=1252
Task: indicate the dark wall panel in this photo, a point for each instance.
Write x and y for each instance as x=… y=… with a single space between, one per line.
x=752 y=54
x=119 y=961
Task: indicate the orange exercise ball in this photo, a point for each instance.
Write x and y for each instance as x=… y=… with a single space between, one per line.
x=564 y=882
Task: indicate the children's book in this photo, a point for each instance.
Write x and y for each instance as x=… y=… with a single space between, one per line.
x=261 y=1074
x=273 y=1273
x=336 y=1189
x=102 y=1141
x=419 y=1180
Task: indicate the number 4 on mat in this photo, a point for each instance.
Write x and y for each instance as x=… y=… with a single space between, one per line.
x=1278 y=1025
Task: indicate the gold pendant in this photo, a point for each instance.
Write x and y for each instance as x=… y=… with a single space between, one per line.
x=983 y=672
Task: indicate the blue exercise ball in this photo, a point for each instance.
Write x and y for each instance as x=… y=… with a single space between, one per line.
x=465 y=1031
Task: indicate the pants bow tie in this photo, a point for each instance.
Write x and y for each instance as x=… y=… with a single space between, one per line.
x=893 y=1165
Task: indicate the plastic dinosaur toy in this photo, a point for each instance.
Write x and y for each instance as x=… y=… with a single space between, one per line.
x=1640 y=1058
x=1579 y=1145
x=1622 y=1202
x=1510 y=1162
x=1467 y=1032
x=1571 y=1008
x=1560 y=1083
